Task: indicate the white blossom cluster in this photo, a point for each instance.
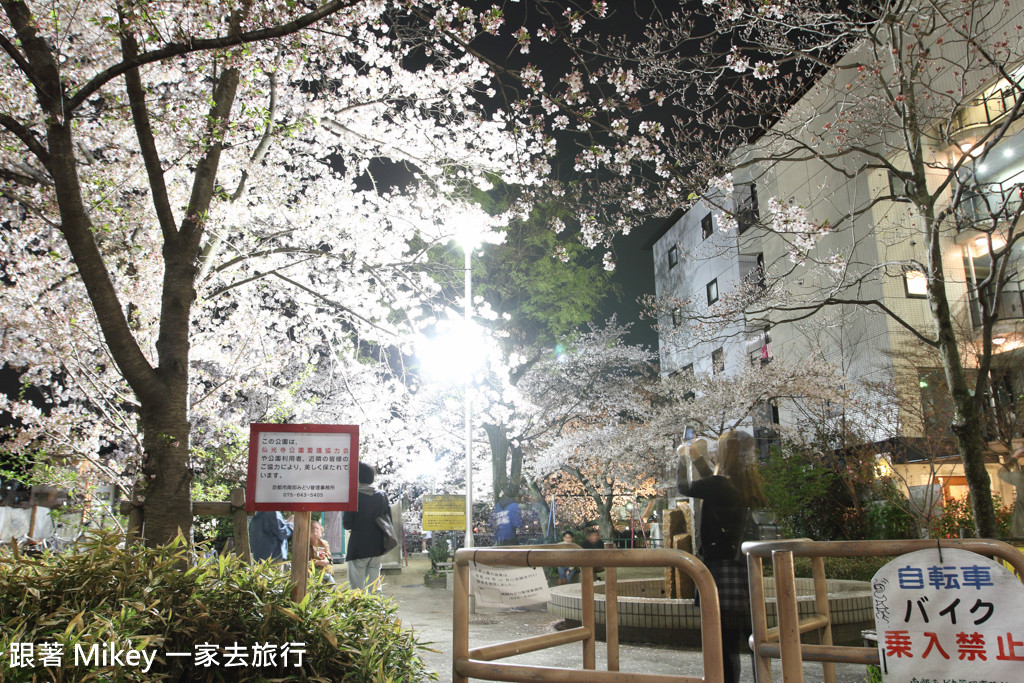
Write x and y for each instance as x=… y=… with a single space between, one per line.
x=346 y=160
x=793 y=221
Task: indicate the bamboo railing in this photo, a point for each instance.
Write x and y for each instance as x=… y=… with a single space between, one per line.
x=783 y=642
x=479 y=662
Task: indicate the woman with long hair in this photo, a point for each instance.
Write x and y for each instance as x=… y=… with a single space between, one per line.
x=727 y=498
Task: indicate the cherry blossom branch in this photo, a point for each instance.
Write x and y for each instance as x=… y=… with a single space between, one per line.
x=212 y=245
x=205 y=44
x=27 y=137
x=332 y=303
x=147 y=143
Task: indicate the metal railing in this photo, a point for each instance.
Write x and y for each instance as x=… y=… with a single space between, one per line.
x=783 y=641
x=479 y=662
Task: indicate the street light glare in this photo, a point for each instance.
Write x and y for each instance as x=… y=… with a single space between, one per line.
x=454 y=355
x=469 y=229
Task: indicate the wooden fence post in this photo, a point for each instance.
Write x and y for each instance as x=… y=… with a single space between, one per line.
x=241 y=525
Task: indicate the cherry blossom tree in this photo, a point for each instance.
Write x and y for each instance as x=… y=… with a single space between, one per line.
x=217 y=212
x=895 y=108
x=715 y=403
x=588 y=404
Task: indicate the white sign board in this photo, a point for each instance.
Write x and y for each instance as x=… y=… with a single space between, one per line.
x=949 y=616
x=508 y=586
x=302 y=467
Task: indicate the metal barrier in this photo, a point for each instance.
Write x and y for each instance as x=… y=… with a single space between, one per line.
x=783 y=641
x=479 y=662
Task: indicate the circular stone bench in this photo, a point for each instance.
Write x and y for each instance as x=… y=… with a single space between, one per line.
x=647 y=616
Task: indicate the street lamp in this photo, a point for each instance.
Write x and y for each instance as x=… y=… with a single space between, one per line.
x=460 y=353
x=468 y=240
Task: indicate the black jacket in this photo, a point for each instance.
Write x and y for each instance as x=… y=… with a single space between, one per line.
x=366 y=539
x=721 y=516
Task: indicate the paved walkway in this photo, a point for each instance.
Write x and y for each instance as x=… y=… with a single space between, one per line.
x=429 y=613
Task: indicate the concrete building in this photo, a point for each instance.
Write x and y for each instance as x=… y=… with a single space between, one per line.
x=704 y=272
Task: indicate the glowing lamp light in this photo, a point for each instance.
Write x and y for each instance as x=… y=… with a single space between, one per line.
x=468 y=230
x=971 y=149
x=455 y=354
x=883 y=467
x=998 y=242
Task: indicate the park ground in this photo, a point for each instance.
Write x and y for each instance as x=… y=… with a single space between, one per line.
x=428 y=611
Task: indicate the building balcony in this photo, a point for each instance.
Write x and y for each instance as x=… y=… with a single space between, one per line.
x=982 y=112
x=1002 y=204
x=1009 y=308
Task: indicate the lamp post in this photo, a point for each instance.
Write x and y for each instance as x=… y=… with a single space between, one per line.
x=458 y=353
x=467 y=250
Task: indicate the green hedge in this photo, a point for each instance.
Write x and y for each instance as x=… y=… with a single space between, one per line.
x=847 y=568
x=165 y=600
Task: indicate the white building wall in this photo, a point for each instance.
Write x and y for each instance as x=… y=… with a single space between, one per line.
x=877 y=240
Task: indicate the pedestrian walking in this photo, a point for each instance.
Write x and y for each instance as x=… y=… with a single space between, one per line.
x=506 y=520
x=268 y=536
x=366 y=542
x=727 y=497
x=593 y=542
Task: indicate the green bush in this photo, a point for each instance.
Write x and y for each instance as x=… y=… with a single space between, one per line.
x=805 y=495
x=165 y=600
x=844 y=568
x=886 y=519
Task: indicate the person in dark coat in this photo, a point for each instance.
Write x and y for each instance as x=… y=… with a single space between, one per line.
x=268 y=536
x=727 y=497
x=366 y=540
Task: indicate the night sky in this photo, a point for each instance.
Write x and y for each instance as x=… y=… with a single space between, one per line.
x=634 y=275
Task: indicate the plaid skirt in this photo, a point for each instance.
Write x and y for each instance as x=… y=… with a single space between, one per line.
x=733 y=592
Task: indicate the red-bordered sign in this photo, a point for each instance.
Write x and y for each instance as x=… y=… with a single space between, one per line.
x=302 y=467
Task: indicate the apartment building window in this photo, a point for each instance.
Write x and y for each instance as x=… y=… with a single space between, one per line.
x=677 y=317
x=747 y=213
x=707 y=226
x=673 y=257
x=915 y=284
x=712 y=291
x=759 y=347
x=687 y=372
x=718 y=361
x=898 y=188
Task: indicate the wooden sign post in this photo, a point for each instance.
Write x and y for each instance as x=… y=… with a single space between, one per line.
x=304 y=468
x=300 y=554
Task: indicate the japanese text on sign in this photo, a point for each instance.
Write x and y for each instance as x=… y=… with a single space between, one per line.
x=508 y=586
x=444 y=513
x=949 y=617
x=301 y=465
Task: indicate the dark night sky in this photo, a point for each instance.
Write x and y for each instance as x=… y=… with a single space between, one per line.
x=634 y=274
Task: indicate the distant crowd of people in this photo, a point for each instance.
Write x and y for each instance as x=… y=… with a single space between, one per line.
x=270 y=532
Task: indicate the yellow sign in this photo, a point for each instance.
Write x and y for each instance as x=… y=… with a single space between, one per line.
x=444 y=513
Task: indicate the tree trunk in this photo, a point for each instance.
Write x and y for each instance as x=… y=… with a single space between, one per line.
x=499 y=457
x=167 y=503
x=604 y=521
x=543 y=511
x=506 y=463
x=968 y=431
x=968 y=422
